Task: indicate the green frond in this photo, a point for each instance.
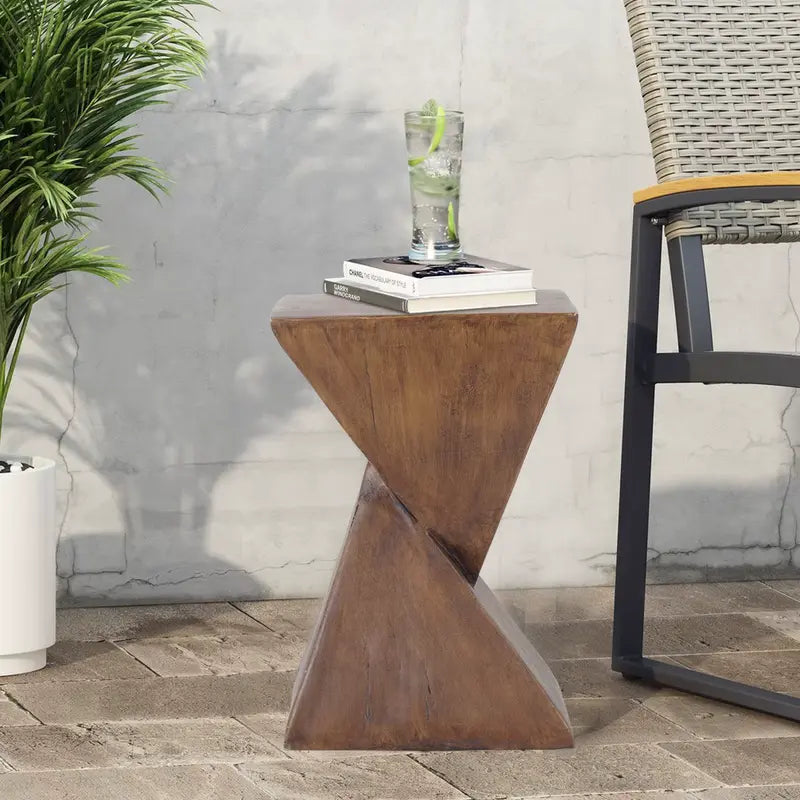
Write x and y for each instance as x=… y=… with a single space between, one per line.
x=72 y=74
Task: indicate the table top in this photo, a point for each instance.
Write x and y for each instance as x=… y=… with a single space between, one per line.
x=310 y=306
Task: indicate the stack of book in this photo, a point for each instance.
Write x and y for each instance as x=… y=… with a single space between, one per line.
x=401 y=285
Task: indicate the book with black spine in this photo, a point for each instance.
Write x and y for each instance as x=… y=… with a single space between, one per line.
x=359 y=293
x=400 y=276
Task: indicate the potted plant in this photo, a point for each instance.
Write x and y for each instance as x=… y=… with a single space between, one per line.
x=72 y=72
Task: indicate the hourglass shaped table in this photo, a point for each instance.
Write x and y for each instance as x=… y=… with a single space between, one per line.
x=412 y=651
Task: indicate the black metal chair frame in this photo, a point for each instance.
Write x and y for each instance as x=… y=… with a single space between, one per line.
x=696 y=362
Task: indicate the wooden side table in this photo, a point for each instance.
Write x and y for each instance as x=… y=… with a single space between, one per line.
x=412 y=650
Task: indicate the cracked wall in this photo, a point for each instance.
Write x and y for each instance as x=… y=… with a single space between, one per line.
x=196 y=464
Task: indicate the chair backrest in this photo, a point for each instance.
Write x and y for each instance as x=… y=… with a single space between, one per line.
x=721 y=87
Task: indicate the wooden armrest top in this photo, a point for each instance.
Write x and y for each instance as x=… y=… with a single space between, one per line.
x=717 y=182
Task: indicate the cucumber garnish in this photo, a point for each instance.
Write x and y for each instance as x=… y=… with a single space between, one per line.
x=451 y=222
x=432 y=109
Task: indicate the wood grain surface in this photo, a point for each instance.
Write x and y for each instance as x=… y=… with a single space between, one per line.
x=407 y=655
x=717 y=182
x=412 y=651
x=443 y=405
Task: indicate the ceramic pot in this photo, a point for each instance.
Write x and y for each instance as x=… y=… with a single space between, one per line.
x=27 y=566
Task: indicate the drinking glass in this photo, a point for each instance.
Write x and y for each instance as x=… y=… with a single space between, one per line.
x=434 y=143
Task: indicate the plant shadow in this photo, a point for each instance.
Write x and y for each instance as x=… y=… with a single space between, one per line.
x=173 y=409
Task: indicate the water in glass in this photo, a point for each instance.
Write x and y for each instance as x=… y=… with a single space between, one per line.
x=434 y=166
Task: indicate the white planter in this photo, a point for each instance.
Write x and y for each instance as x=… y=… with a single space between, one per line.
x=27 y=566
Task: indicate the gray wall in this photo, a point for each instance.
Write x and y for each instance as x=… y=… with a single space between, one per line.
x=195 y=462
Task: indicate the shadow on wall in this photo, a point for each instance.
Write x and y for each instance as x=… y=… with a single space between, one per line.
x=177 y=375
x=714 y=533
x=731 y=505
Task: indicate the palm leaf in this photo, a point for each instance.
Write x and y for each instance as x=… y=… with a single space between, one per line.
x=72 y=74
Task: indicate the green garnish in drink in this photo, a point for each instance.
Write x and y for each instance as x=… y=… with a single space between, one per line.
x=429 y=109
x=432 y=109
x=451 y=222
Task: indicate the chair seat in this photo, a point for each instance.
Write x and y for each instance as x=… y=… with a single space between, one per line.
x=739 y=223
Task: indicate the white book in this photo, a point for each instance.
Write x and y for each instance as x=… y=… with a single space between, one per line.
x=400 y=276
x=361 y=293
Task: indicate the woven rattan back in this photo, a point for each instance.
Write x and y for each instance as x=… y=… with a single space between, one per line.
x=721 y=87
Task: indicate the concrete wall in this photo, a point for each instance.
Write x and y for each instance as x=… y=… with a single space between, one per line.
x=195 y=462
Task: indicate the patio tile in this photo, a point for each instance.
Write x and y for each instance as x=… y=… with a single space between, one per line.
x=606 y=721
x=635 y=796
x=284 y=615
x=689 y=599
x=162 y=783
x=83 y=661
x=616 y=768
x=743 y=761
x=11 y=715
x=148 y=622
x=219 y=655
x=785 y=622
x=559 y=605
x=757 y=793
x=53 y=747
x=790 y=588
x=591 y=678
x=597 y=602
x=271 y=727
x=778 y=671
x=388 y=777
x=711 y=720
x=711 y=633
x=663 y=635
x=767 y=793
x=583 y=639
x=155 y=698
x=103 y=708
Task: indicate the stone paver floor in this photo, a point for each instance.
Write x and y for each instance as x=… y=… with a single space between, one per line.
x=188 y=703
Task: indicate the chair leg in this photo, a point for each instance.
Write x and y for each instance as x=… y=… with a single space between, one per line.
x=690 y=290
x=637 y=450
x=637 y=443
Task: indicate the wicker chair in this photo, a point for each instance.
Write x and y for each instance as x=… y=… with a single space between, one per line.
x=721 y=86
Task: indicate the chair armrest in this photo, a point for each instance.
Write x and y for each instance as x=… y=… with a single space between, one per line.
x=708 y=189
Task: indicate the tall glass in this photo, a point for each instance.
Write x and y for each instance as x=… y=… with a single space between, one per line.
x=434 y=166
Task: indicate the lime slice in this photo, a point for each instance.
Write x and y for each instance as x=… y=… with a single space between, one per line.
x=439 y=185
x=451 y=222
x=431 y=109
x=441 y=121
